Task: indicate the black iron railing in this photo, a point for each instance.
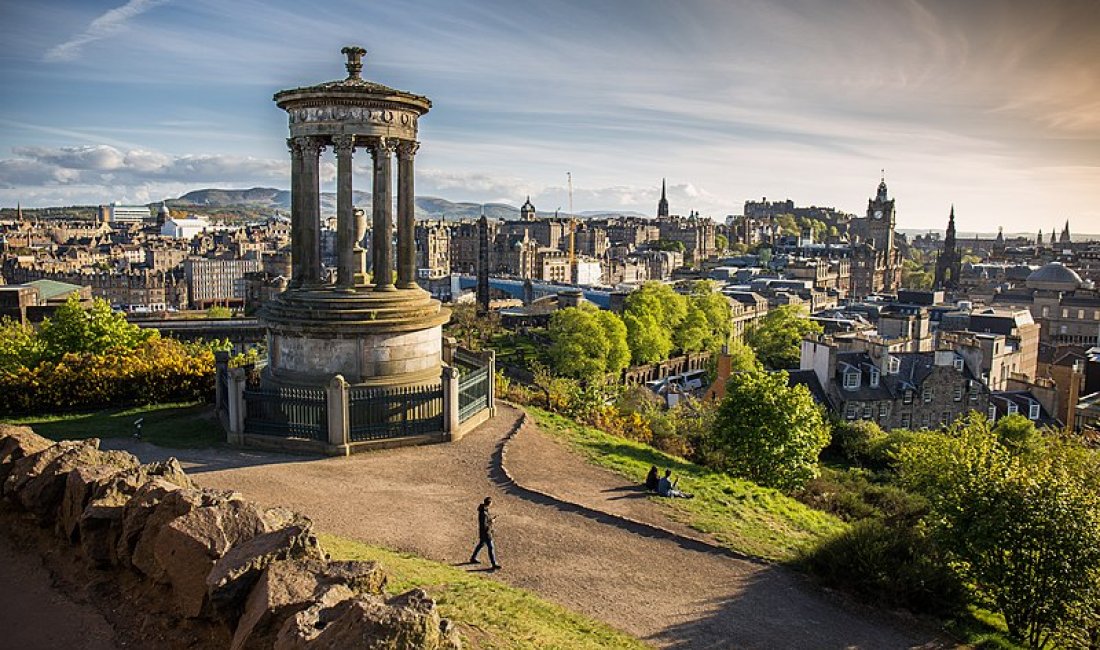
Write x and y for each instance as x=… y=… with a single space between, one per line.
x=287 y=413
x=379 y=413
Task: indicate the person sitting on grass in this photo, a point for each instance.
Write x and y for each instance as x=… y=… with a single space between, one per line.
x=667 y=488
x=651 y=479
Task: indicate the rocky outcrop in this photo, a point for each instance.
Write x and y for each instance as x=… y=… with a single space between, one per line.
x=210 y=556
x=403 y=623
x=287 y=587
x=16 y=443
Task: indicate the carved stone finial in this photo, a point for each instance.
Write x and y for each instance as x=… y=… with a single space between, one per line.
x=355 y=60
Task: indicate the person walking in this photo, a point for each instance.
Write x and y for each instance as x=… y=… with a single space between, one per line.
x=485 y=534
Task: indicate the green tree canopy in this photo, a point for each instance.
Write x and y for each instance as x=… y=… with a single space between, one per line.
x=649 y=341
x=618 y=350
x=742 y=358
x=716 y=308
x=578 y=346
x=777 y=337
x=721 y=242
x=1022 y=526
x=651 y=314
x=95 y=330
x=768 y=432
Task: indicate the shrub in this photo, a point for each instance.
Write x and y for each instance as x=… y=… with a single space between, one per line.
x=891 y=565
x=854 y=440
x=856 y=494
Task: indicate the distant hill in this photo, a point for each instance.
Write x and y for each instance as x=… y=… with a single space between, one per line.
x=427 y=207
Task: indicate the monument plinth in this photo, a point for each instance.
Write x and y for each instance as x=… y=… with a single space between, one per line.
x=387 y=332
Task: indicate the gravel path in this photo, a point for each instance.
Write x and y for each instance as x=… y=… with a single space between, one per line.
x=670 y=592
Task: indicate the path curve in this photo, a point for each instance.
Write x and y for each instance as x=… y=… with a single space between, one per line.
x=669 y=591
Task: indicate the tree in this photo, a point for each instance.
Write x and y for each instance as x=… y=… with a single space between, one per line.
x=742 y=358
x=1022 y=526
x=19 y=347
x=768 y=432
x=721 y=242
x=649 y=341
x=578 y=346
x=777 y=338
x=618 y=350
x=651 y=314
x=716 y=308
x=96 y=330
x=694 y=333
x=472 y=331
x=218 y=311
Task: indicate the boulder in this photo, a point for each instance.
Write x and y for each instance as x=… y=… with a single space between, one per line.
x=80 y=486
x=187 y=547
x=407 y=622
x=18 y=442
x=301 y=629
x=42 y=494
x=287 y=587
x=29 y=466
x=154 y=507
x=236 y=572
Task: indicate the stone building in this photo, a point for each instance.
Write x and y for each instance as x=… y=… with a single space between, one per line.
x=949 y=262
x=876 y=266
x=433 y=249
x=1066 y=307
x=464 y=245
x=907 y=390
x=218 y=282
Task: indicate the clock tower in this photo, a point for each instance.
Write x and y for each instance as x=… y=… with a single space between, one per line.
x=881 y=219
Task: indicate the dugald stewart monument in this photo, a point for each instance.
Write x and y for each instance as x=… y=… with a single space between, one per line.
x=359 y=357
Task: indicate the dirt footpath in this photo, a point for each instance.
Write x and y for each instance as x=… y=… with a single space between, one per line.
x=670 y=592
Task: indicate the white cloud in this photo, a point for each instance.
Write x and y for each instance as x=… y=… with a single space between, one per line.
x=108 y=24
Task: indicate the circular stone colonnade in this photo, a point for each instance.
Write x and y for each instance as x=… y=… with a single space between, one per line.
x=380 y=333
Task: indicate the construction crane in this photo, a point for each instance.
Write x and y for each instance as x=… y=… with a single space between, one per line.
x=572 y=231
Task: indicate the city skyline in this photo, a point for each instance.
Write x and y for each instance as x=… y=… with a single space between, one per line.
x=992 y=107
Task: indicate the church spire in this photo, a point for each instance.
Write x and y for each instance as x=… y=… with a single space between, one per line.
x=662 y=205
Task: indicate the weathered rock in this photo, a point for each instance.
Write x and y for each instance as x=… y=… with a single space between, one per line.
x=286 y=587
x=100 y=526
x=18 y=442
x=42 y=494
x=80 y=486
x=187 y=547
x=301 y=629
x=407 y=622
x=236 y=572
x=149 y=484
x=26 y=468
x=149 y=512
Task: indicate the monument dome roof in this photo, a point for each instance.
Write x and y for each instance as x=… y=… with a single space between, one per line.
x=1054 y=276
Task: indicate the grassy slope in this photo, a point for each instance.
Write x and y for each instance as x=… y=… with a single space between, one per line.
x=489 y=614
x=168 y=425
x=743 y=516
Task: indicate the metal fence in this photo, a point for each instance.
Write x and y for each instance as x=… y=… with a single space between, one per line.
x=473 y=393
x=287 y=413
x=380 y=413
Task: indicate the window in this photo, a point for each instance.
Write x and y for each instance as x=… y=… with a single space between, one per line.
x=1033 y=411
x=1046 y=311
x=908 y=399
x=851 y=410
x=895 y=363
x=906 y=420
x=926 y=395
x=973 y=393
x=883 y=409
x=1013 y=409
x=874 y=377
x=851 y=380
x=926 y=420
x=868 y=411
x=958 y=393
x=992 y=412
x=945 y=418
x=958 y=363
x=1065 y=313
x=1080 y=314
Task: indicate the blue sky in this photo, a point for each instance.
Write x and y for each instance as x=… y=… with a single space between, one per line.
x=991 y=106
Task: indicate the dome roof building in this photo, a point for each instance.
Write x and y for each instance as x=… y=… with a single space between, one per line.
x=1054 y=276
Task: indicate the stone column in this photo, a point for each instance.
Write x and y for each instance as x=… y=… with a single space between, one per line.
x=449 y=379
x=310 y=205
x=345 y=219
x=382 y=222
x=360 y=253
x=295 y=212
x=336 y=400
x=406 y=216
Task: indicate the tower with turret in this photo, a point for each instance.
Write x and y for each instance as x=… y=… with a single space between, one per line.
x=662 y=205
x=949 y=263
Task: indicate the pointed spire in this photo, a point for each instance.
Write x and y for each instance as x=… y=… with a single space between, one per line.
x=662 y=205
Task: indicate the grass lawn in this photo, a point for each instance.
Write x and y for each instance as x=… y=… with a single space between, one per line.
x=489 y=614
x=186 y=425
x=742 y=516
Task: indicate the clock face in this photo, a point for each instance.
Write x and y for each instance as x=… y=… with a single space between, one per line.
x=878 y=214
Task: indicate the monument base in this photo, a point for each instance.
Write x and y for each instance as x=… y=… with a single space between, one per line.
x=371 y=338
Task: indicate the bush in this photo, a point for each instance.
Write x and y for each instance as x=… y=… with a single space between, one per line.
x=854 y=440
x=856 y=494
x=882 y=453
x=159 y=370
x=896 y=566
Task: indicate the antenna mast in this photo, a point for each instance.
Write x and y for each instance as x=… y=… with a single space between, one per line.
x=572 y=230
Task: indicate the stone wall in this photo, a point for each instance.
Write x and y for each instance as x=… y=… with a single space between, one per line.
x=191 y=556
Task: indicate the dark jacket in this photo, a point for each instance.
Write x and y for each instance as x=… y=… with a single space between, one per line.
x=651 y=480
x=484 y=522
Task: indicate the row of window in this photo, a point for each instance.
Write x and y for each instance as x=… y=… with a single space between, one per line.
x=1066 y=313
x=852 y=376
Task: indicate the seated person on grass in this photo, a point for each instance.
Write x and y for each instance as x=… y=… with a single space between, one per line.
x=667 y=488
x=651 y=479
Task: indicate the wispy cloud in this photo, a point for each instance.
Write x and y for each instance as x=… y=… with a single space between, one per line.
x=108 y=24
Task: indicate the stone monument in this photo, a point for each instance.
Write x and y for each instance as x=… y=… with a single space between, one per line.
x=380 y=330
